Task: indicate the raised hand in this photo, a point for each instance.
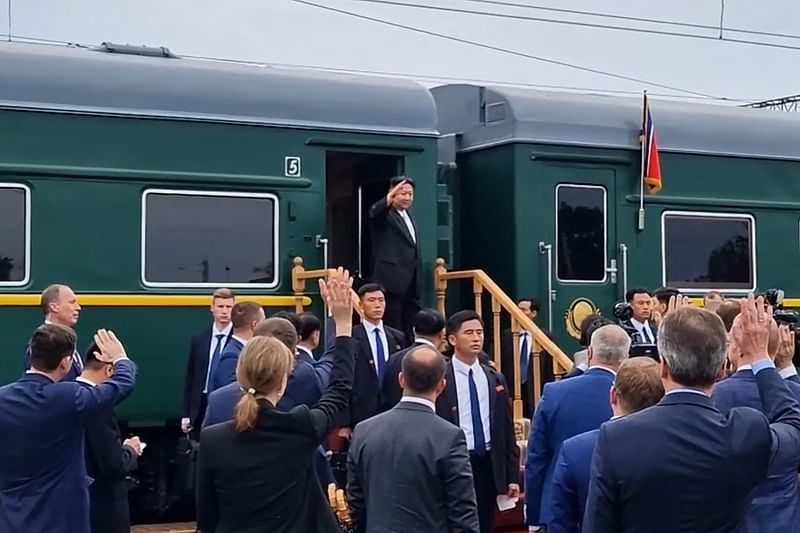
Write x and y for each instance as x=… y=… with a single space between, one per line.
x=676 y=302
x=751 y=329
x=393 y=192
x=337 y=293
x=783 y=358
x=110 y=348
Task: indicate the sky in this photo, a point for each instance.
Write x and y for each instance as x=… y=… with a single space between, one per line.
x=540 y=47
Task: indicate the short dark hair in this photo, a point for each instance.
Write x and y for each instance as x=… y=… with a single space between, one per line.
x=633 y=292
x=663 y=294
x=396 y=180
x=91 y=359
x=534 y=303
x=423 y=368
x=50 y=344
x=457 y=320
x=291 y=317
x=244 y=313
x=428 y=322
x=309 y=324
x=370 y=287
x=589 y=325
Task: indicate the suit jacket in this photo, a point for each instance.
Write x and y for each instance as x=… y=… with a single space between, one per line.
x=263 y=480
x=653 y=328
x=776 y=501
x=74 y=371
x=504 y=452
x=571 y=482
x=42 y=455
x=410 y=481
x=566 y=408
x=575 y=372
x=507 y=361
x=794 y=378
x=196 y=371
x=688 y=464
x=391 y=392
x=396 y=261
x=223 y=370
x=108 y=463
x=365 y=400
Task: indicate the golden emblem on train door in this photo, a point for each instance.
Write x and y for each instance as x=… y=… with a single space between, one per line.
x=579 y=309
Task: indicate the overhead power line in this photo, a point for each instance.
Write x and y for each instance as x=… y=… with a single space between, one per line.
x=505 y=50
x=593 y=25
x=673 y=23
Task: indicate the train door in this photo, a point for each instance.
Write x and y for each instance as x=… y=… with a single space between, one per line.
x=353 y=182
x=580 y=257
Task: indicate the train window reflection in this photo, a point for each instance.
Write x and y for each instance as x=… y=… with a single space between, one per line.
x=581 y=218
x=14 y=234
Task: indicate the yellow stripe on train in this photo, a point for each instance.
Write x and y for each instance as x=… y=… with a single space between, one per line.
x=787 y=302
x=151 y=300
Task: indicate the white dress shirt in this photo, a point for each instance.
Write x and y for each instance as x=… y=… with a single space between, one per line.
x=409 y=225
x=369 y=328
x=461 y=371
x=643 y=327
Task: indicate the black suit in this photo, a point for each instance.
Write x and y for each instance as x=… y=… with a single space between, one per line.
x=390 y=388
x=682 y=466
x=194 y=401
x=108 y=462
x=263 y=480
x=650 y=323
x=396 y=264
x=365 y=400
x=493 y=473
x=507 y=367
x=408 y=471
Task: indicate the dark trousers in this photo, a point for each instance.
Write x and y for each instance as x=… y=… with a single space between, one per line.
x=485 y=490
x=400 y=311
x=197 y=423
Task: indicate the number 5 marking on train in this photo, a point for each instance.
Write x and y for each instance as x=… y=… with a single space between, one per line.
x=292 y=167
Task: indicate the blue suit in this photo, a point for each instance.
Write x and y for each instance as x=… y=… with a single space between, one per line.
x=44 y=487
x=223 y=370
x=571 y=482
x=567 y=408
x=776 y=501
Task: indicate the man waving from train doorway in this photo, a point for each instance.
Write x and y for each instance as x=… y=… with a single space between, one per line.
x=395 y=248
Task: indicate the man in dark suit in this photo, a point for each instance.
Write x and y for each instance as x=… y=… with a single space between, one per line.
x=60 y=306
x=641 y=302
x=682 y=466
x=108 y=459
x=302 y=388
x=476 y=398
x=375 y=343
x=310 y=332
x=776 y=501
x=396 y=258
x=637 y=386
x=408 y=470
x=205 y=346
x=567 y=408
x=43 y=482
x=429 y=328
x=244 y=318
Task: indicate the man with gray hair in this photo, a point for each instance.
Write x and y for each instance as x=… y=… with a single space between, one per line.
x=682 y=465
x=60 y=307
x=567 y=408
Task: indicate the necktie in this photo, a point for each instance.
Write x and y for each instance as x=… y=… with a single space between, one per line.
x=647 y=338
x=477 y=421
x=524 y=357
x=214 y=358
x=380 y=359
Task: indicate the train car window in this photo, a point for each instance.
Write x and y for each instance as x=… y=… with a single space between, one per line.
x=15 y=232
x=205 y=239
x=581 y=235
x=708 y=250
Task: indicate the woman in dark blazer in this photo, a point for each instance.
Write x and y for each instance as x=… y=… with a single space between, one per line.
x=255 y=474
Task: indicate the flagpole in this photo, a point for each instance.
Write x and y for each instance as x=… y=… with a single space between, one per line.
x=642 y=139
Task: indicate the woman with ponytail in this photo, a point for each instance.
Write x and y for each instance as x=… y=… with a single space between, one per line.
x=256 y=473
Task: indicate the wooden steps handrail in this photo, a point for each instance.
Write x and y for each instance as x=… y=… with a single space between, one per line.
x=299 y=277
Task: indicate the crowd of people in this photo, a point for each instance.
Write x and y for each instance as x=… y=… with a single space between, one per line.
x=703 y=437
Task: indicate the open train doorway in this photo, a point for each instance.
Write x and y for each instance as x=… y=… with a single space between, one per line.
x=353 y=182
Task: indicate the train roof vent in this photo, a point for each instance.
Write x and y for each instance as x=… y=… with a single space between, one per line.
x=128 y=49
x=495 y=112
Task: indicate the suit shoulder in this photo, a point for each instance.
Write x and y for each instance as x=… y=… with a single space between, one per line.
x=581 y=441
x=224 y=391
x=217 y=431
x=794 y=387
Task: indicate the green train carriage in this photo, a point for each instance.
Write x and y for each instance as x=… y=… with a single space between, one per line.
x=146 y=182
x=555 y=177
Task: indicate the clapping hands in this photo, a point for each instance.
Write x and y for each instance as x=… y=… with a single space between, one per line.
x=338 y=296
